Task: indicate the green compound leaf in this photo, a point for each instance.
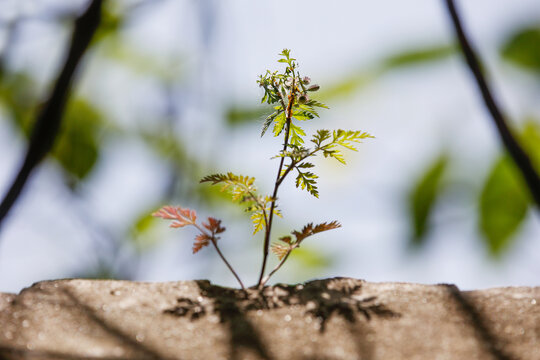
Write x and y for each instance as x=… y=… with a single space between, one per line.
x=523 y=49
x=258 y=221
x=238 y=185
x=269 y=120
x=296 y=134
x=503 y=205
x=320 y=136
x=279 y=123
x=423 y=197
x=336 y=154
x=347 y=138
x=307 y=180
x=302 y=115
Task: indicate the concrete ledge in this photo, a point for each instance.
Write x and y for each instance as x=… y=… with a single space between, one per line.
x=337 y=318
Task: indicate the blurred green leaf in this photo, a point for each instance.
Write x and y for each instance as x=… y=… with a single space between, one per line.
x=353 y=81
x=348 y=85
x=530 y=140
x=143 y=233
x=18 y=97
x=77 y=146
x=503 y=205
x=424 y=196
x=419 y=56
x=236 y=115
x=523 y=48
x=311 y=258
x=111 y=23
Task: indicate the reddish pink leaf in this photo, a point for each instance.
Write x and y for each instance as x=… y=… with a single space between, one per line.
x=214 y=225
x=166 y=212
x=201 y=241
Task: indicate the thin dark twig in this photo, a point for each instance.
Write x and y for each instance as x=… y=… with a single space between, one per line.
x=48 y=121
x=515 y=150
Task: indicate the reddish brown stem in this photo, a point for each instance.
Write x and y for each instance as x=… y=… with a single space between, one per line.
x=266 y=245
x=214 y=242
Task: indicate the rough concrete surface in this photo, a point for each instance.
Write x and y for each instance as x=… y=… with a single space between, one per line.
x=337 y=318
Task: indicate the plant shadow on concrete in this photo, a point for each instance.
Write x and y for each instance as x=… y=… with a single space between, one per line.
x=321 y=298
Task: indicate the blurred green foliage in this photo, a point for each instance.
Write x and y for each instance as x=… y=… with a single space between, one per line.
x=423 y=197
x=349 y=84
x=522 y=48
x=312 y=258
x=419 y=56
x=503 y=202
x=77 y=147
x=503 y=205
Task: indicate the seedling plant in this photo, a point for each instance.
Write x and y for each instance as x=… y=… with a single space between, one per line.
x=290 y=94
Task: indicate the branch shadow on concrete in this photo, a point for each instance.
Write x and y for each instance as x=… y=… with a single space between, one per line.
x=86 y=315
x=489 y=340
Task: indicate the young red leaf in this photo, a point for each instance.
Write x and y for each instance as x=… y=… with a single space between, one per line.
x=280 y=250
x=309 y=230
x=214 y=225
x=286 y=239
x=166 y=212
x=201 y=241
x=182 y=216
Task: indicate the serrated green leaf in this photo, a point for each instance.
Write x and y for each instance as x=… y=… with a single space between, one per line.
x=503 y=205
x=258 y=221
x=307 y=181
x=302 y=115
x=238 y=186
x=296 y=134
x=279 y=123
x=312 y=103
x=320 y=136
x=336 y=154
x=308 y=109
x=424 y=196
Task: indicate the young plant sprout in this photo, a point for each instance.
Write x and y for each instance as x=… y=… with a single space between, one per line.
x=290 y=94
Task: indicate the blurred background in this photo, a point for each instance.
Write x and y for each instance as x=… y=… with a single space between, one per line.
x=166 y=94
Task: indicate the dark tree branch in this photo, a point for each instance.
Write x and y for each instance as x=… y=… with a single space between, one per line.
x=49 y=118
x=514 y=149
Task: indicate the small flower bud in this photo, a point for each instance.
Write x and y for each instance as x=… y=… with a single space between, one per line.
x=306 y=80
x=303 y=98
x=288 y=82
x=313 y=87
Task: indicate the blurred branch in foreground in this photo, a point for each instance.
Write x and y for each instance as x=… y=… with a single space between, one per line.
x=49 y=118
x=514 y=149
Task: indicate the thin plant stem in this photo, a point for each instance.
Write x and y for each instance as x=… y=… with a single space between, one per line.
x=266 y=245
x=278 y=266
x=214 y=242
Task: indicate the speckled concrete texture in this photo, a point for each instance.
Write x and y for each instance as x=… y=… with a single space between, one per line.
x=337 y=318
